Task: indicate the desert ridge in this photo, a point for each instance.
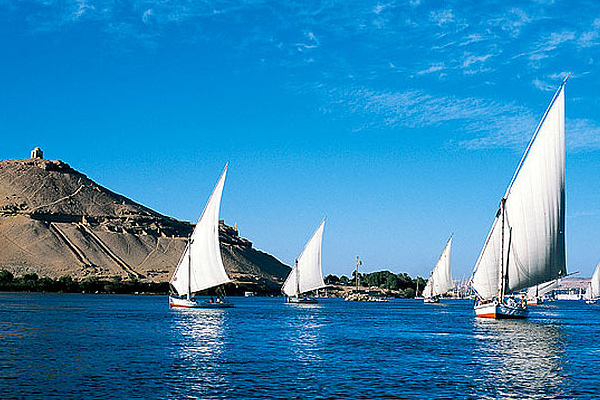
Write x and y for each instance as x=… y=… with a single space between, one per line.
x=55 y=221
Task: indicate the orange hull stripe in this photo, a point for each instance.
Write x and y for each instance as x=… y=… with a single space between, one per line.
x=489 y=315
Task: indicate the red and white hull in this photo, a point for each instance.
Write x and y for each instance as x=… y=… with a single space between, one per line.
x=500 y=311
x=185 y=303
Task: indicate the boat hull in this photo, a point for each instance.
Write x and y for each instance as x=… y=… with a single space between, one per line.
x=497 y=310
x=591 y=301
x=302 y=300
x=431 y=300
x=175 y=302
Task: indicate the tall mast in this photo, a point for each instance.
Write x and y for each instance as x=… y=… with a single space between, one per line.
x=501 y=280
x=505 y=277
x=297 y=279
x=189 y=291
x=357 y=264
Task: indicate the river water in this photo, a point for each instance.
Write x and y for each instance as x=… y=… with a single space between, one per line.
x=121 y=347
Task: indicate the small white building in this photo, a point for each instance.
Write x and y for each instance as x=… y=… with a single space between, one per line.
x=37 y=153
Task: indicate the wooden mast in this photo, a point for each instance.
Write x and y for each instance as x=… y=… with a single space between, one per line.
x=189 y=291
x=357 y=264
x=297 y=279
x=501 y=280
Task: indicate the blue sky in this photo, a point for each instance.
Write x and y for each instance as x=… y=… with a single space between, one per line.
x=402 y=122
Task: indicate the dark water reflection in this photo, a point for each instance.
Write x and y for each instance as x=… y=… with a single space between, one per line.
x=76 y=346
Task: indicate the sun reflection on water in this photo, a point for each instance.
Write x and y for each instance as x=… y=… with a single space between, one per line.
x=198 y=351
x=304 y=333
x=518 y=358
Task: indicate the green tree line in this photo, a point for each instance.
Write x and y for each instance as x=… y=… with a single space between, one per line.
x=66 y=284
x=382 y=279
x=385 y=280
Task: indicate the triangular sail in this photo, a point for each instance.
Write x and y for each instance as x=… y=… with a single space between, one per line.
x=534 y=214
x=593 y=290
x=440 y=281
x=308 y=276
x=428 y=290
x=542 y=289
x=207 y=268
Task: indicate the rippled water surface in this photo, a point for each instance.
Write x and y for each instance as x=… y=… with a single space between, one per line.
x=102 y=346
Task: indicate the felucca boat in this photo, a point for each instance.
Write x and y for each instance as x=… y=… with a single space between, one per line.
x=201 y=266
x=306 y=274
x=526 y=244
x=535 y=294
x=440 y=280
x=592 y=294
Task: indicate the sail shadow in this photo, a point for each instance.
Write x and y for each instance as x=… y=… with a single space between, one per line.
x=520 y=359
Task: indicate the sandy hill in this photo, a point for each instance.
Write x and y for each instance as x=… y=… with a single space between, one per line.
x=55 y=221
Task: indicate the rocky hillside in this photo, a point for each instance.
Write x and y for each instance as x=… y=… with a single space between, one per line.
x=55 y=221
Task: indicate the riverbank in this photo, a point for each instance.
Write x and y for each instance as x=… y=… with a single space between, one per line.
x=116 y=285
x=66 y=284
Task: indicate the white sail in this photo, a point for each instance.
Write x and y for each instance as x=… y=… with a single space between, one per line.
x=534 y=215
x=306 y=275
x=540 y=290
x=440 y=281
x=203 y=250
x=594 y=286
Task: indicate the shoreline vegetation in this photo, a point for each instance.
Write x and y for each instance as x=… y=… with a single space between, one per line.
x=384 y=282
x=66 y=284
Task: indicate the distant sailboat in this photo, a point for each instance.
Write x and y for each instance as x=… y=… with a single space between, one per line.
x=592 y=294
x=526 y=244
x=440 y=280
x=535 y=294
x=201 y=266
x=306 y=275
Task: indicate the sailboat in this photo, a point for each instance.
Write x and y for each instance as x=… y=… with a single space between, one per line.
x=535 y=294
x=201 y=266
x=306 y=275
x=592 y=294
x=526 y=244
x=440 y=280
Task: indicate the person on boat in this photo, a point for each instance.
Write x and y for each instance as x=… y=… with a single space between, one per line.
x=511 y=302
x=482 y=301
x=212 y=300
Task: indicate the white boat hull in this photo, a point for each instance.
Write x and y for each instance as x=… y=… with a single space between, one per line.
x=302 y=300
x=431 y=300
x=497 y=310
x=534 y=302
x=591 y=301
x=185 y=303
